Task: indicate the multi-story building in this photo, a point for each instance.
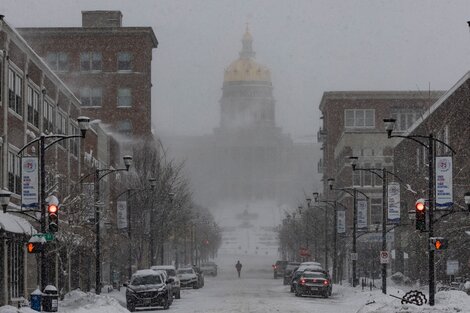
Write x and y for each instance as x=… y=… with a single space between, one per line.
x=35 y=101
x=447 y=121
x=352 y=126
x=106 y=65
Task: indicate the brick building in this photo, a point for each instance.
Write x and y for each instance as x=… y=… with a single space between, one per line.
x=33 y=101
x=352 y=126
x=446 y=120
x=106 y=65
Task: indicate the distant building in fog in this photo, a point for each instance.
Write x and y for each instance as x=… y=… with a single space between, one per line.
x=247 y=158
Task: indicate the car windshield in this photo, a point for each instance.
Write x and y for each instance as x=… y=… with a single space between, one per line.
x=185 y=271
x=170 y=272
x=145 y=280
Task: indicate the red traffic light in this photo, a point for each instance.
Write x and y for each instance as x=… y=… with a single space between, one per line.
x=420 y=205
x=52 y=208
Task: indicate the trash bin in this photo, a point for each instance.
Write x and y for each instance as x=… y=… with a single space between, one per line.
x=35 y=300
x=50 y=299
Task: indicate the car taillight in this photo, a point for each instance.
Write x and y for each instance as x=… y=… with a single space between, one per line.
x=326 y=282
x=302 y=281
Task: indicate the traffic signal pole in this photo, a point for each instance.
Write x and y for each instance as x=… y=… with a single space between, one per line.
x=432 y=286
x=384 y=228
x=42 y=205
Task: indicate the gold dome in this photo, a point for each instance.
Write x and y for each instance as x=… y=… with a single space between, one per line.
x=246 y=69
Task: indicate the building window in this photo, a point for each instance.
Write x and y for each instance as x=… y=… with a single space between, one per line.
x=33 y=107
x=367 y=176
x=15 y=87
x=359 y=118
x=47 y=114
x=61 y=123
x=74 y=141
x=16 y=268
x=376 y=211
x=124 y=61
x=91 y=96
x=125 y=127
x=404 y=118
x=124 y=97
x=58 y=61
x=90 y=61
x=14 y=179
x=356 y=178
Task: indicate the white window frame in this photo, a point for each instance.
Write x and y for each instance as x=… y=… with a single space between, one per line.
x=120 y=59
x=91 y=93
x=357 y=118
x=58 y=61
x=124 y=98
x=91 y=58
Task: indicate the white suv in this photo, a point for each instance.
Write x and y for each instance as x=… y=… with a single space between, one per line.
x=171 y=272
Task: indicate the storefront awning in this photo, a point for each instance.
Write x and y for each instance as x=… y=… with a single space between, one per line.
x=15 y=224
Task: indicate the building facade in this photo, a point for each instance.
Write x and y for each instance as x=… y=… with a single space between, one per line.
x=352 y=126
x=106 y=65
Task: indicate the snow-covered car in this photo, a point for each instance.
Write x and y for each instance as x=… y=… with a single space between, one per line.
x=188 y=277
x=310 y=265
x=171 y=272
x=314 y=283
x=289 y=271
x=200 y=276
x=209 y=268
x=148 y=289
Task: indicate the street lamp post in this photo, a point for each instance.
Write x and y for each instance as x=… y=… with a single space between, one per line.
x=389 y=125
x=84 y=125
x=100 y=174
x=153 y=184
x=325 y=211
x=353 y=192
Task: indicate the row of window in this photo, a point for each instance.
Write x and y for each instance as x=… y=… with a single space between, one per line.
x=89 y=61
x=365 y=118
x=92 y=96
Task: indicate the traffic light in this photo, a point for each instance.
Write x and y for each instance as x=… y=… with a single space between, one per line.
x=53 y=212
x=420 y=209
x=35 y=246
x=438 y=243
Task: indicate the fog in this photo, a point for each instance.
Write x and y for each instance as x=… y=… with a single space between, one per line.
x=308 y=46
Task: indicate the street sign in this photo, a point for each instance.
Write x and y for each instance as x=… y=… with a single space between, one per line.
x=452 y=267
x=354 y=256
x=47 y=236
x=384 y=257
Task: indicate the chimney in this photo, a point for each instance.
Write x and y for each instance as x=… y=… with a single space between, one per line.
x=101 y=19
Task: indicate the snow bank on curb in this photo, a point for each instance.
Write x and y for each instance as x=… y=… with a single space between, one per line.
x=12 y=309
x=77 y=302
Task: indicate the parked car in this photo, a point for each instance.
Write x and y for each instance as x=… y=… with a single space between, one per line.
x=290 y=269
x=310 y=265
x=279 y=268
x=200 y=276
x=171 y=272
x=187 y=277
x=209 y=268
x=314 y=283
x=148 y=289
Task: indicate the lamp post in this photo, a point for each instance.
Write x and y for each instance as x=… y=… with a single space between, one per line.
x=353 y=192
x=389 y=125
x=84 y=125
x=100 y=174
x=153 y=183
x=325 y=211
x=382 y=176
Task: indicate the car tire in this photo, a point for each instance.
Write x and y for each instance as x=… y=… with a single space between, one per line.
x=291 y=288
x=131 y=307
x=195 y=286
x=326 y=294
x=166 y=305
x=178 y=295
x=298 y=294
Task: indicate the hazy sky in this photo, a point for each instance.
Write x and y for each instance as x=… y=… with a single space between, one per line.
x=310 y=47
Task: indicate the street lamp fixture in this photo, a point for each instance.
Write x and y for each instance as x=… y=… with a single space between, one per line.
x=83 y=124
x=389 y=126
x=309 y=201
x=353 y=160
x=4 y=199
x=316 y=194
x=127 y=161
x=331 y=182
x=153 y=183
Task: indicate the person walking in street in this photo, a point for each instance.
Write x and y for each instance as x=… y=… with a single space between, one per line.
x=238 y=266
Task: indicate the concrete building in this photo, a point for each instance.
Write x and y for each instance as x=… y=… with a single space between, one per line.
x=352 y=126
x=106 y=65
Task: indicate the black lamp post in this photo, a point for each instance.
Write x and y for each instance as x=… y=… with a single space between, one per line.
x=467 y=200
x=353 y=192
x=100 y=174
x=84 y=125
x=389 y=125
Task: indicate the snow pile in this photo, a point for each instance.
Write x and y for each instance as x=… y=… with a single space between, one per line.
x=77 y=301
x=12 y=309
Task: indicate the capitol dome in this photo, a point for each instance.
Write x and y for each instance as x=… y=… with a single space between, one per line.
x=246 y=68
